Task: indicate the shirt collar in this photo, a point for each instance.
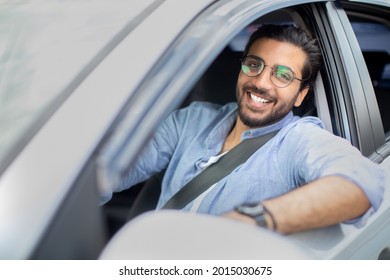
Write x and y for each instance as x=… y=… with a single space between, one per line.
x=250 y=133
x=216 y=138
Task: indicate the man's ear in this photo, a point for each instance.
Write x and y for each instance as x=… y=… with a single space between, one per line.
x=301 y=96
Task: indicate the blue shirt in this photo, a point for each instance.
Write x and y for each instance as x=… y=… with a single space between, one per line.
x=301 y=152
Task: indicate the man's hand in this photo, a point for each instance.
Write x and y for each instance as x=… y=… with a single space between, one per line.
x=239 y=217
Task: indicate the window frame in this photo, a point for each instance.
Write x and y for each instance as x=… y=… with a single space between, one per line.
x=354 y=117
x=379 y=14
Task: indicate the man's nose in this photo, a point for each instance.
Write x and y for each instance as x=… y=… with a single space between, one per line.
x=263 y=80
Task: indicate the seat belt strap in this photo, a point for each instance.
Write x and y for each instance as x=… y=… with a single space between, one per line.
x=215 y=172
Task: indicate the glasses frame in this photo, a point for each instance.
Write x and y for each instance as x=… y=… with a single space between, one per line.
x=260 y=70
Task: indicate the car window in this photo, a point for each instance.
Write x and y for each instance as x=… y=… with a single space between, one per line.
x=46 y=48
x=216 y=84
x=373 y=34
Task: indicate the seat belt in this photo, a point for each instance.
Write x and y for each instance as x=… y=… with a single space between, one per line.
x=215 y=172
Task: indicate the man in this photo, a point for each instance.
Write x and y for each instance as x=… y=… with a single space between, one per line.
x=304 y=177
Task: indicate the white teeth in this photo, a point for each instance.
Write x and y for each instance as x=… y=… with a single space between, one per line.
x=259 y=99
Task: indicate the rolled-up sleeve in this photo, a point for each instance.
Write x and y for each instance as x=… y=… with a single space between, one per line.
x=319 y=153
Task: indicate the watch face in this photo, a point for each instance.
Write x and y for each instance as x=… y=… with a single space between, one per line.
x=251 y=209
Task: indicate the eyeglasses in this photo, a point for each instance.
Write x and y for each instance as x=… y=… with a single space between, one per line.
x=281 y=76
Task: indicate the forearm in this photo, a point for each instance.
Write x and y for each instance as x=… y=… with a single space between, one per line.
x=326 y=201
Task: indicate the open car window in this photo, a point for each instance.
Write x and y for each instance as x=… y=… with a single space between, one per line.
x=213 y=79
x=217 y=84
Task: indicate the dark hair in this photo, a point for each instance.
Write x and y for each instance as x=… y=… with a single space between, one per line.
x=298 y=37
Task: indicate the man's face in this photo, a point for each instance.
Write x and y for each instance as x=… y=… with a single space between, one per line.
x=260 y=102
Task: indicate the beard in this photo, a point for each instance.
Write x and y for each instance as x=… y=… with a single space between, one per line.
x=255 y=118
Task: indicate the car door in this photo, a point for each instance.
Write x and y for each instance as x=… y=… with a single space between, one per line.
x=48 y=203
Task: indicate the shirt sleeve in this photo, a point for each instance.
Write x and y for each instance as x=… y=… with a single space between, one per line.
x=154 y=157
x=317 y=153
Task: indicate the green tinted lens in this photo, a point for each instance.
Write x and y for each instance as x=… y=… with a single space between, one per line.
x=252 y=67
x=283 y=74
x=246 y=69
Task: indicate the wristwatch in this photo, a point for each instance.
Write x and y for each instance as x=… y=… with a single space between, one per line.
x=255 y=211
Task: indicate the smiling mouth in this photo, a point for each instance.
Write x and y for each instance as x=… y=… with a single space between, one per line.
x=258 y=99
